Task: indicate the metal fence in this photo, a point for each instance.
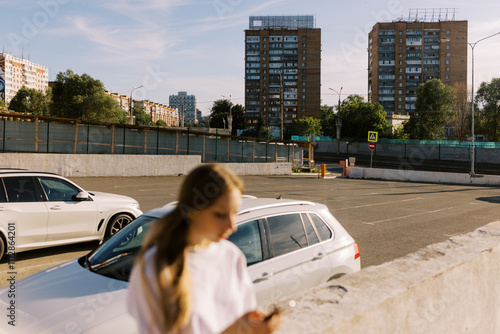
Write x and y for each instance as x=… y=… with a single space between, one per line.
x=38 y=134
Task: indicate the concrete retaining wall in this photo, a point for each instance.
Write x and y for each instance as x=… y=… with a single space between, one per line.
x=85 y=165
x=449 y=287
x=421 y=176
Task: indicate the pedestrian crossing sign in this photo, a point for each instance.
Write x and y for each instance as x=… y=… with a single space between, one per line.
x=373 y=136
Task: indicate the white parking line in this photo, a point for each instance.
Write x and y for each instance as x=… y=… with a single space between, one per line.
x=408 y=216
x=383 y=203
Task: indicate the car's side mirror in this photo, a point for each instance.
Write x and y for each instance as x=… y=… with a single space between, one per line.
x=82 y=196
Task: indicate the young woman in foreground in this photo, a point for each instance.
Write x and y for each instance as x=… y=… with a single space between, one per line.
x=188 y=278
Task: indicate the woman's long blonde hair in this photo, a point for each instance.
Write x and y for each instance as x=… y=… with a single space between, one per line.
x=201 y=188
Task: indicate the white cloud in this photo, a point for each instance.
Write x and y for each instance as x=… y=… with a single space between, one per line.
x=120 y=44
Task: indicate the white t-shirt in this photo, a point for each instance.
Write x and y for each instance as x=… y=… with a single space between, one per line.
x=221 y=293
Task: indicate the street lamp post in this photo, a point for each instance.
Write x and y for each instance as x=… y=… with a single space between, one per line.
x=338 y=121
x=473 y=45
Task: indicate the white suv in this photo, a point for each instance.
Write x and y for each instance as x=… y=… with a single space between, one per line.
x=290 y=246
x=39 y=209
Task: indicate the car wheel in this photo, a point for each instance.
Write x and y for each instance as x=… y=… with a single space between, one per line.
x=117 y=223
x=2 y=247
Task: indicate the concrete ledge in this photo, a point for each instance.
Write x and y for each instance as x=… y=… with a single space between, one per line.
x=104 y=165
x=449 y=287
x=421 y=176
x=261 y=168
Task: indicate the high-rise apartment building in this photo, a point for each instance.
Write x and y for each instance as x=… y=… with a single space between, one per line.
x=19 y=72
x=282 y=70
x=186 y=105
x=404 y=54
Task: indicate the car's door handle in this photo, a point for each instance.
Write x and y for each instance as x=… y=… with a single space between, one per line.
x=263 y=277
x=318 y=257
x=55 y=207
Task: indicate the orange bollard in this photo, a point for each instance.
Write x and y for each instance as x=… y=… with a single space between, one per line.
x=343 y=163
x=322 y=168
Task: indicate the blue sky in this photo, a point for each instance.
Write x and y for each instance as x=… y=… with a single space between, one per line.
x=198 y=45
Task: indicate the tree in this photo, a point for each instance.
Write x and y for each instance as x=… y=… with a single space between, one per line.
x=29 y=100
x=359 y=117
x=328 y=119
x=260 y=131
x=2 y=105
x=82 y=97
x=434 y=106
x=161 y=123
x=306 y=126
x=488 y=100
x=462 y=120
x=141 y=117
x=220 y=111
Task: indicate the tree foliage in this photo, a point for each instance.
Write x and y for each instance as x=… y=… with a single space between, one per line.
x=434 y=106
x=220 y=112
x=488 y=116
x=82 y=97
x=462 y=119
x=141 y=117
x=328 y=118
x=358 y=117
x=261 y=131
x=29 y=100
x=306 y=126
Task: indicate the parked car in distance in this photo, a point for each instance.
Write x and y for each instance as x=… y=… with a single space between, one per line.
x=290 y=246
x=39 y=209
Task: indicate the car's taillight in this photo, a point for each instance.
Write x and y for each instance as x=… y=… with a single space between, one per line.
x=356 y=251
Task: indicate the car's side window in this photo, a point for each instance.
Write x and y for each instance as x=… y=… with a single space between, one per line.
x=247 y=238
x=323 y=230
x=287 y=233
x=57 y=189
x=312 y=237
x=20 y=189
x=3 y=197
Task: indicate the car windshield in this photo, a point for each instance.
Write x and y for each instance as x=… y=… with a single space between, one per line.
x=115 y=258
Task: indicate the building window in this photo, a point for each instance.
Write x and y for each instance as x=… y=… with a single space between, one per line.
x=447 y=54
x=400 y=55
x=447 y=46
x=447 y=62
x=447 y=76
x=303 y=51
x=303 y=38
x=303 y=57
x=400 y=62
x=447 y=32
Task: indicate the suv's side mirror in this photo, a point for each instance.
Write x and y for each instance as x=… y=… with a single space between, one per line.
x=82 y=196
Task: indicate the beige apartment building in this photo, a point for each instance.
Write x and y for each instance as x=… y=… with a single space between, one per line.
x=18 y=72
x=404 y=54
x=157 y=111
x=282 y=70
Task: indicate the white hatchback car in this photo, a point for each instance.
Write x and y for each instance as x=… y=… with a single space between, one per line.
x=290 y=246
x=39 y=209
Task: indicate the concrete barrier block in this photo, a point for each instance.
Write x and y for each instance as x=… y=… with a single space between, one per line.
x=449 y=287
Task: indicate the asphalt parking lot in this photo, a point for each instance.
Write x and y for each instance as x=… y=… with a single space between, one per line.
x=387 y=219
